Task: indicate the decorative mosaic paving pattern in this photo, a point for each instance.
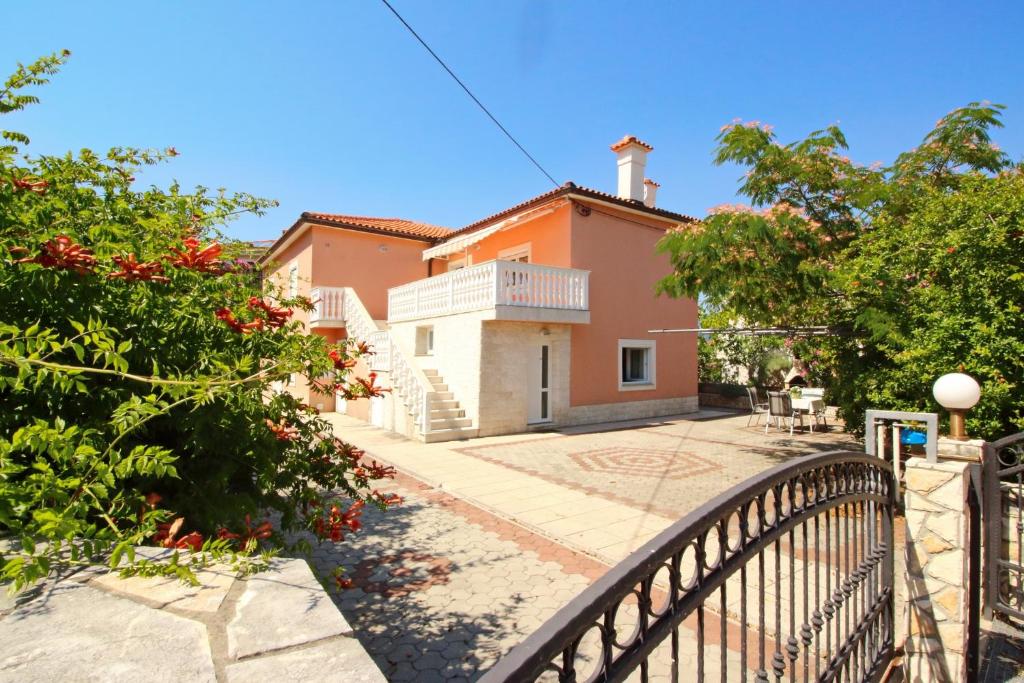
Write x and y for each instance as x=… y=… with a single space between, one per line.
x=668 y=469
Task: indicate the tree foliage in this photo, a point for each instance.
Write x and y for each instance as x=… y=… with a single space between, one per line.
x=917 y=265
x=763 y=360
x=137 y=365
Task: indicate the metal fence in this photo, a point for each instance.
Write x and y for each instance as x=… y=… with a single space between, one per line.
x=788 y=576
x=1003 y=497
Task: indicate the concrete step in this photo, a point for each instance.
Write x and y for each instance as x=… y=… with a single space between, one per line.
x=446 y=413
x=440 y=388
x=443 y=396
x=431 y=374
x=449 y=422
x=434 y=436
x=444 y=404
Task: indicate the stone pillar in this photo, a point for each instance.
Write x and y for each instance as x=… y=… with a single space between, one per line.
x=953 y=449
x=936 y=573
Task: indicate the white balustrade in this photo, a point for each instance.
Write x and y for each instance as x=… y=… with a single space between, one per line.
x=328 y=304
x=380 y=347
x=496 y=283
x=407 y=380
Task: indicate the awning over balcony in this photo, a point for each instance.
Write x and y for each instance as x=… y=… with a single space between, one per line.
x=460 y=243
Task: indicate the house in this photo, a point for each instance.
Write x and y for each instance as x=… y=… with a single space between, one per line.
x=536 y=316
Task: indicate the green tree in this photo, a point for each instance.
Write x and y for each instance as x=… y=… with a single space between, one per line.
x=137 y=366
x=916 y=266
x=763 y=358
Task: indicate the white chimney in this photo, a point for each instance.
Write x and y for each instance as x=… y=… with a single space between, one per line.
x=650 y=190
x=632 y=158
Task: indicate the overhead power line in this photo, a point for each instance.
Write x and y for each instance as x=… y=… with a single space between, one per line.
x=470 y=93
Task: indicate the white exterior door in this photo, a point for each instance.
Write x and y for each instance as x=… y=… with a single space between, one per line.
x=538 y=385
x=377 y=411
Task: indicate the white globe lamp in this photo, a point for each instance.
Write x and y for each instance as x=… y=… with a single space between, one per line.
x=957 y=393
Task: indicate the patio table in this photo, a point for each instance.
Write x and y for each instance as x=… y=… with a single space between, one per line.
x=811 y=405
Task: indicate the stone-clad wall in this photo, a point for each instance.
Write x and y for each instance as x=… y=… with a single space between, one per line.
x=936 y=554
x=505 y=362
x=456 y=356
x=278 y=625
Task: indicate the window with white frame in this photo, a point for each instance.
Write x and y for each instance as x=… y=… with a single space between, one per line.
x=520 y=253
x=293 y=280
x=636 y=364
x=425 y=340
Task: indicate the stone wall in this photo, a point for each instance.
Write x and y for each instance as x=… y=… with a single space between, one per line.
x=504 y=368
x=631 y=410
x=278 y=625
x=936 y=570
x=457 y=340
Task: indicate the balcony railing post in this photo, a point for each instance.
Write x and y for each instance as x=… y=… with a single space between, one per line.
x=317 y=306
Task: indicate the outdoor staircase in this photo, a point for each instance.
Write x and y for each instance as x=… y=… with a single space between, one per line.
x=422 y=393
x=447 y=418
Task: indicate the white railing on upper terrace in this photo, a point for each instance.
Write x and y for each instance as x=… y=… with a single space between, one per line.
x=491 y=284
x=410 y=384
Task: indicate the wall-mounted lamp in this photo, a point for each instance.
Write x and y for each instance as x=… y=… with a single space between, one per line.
x=544 y=331
x=957 y=393
x=383 y=248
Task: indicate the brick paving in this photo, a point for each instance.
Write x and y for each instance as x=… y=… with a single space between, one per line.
x=497 y=534
x=442 y=588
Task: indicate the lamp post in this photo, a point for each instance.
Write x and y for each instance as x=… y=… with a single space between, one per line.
x=957 y=393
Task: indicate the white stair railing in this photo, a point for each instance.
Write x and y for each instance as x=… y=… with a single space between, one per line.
x=407 y=379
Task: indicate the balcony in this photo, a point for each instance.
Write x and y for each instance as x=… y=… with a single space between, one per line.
x=507 y=290
x=328 y=307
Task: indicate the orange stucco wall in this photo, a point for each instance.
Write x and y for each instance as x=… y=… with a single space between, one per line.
x=619 y=251
x=347 y=258
x=548 y=235
x=299 y=253
x=331 y=257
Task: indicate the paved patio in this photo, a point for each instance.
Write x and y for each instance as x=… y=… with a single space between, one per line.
x=496 y=534
x=602 y=489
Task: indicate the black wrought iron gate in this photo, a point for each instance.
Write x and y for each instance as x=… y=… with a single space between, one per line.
x=1003 y=465
x=788 y=576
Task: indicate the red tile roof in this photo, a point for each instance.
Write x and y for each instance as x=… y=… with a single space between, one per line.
x=396 y=226
x=433 y=234
x=572 y=188
x=628 y=139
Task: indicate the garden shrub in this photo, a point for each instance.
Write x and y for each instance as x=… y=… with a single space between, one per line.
x=137 y=365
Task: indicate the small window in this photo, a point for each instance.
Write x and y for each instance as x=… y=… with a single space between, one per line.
x=520 y=254
x=291 y=380
x=293 y=280
x=425 y=341
x=636 y=364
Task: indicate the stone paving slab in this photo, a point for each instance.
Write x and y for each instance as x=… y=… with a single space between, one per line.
x=94 y=626
x=284 y=607
x=165 y=591
x=75 y=632
x=342 y=659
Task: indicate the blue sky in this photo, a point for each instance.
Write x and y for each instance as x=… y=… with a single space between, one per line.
x=334 y=107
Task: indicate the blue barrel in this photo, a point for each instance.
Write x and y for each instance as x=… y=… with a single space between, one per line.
x=912 y=437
